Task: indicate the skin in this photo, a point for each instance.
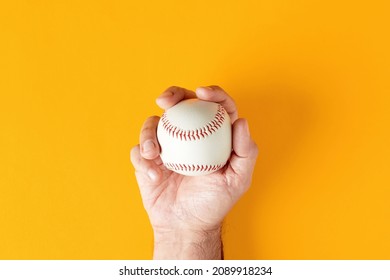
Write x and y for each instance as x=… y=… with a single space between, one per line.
x=186 y=213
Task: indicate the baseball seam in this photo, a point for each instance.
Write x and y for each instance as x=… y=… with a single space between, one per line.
x=194 y=134
x=193 y=167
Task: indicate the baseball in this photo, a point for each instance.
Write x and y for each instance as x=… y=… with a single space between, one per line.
x=195 y=137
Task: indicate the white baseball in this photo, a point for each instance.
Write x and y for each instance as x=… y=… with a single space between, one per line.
x=195 y=137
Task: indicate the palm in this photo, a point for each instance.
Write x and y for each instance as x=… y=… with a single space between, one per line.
x=189 y=201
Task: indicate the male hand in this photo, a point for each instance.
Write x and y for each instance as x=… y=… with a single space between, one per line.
x=186 y=213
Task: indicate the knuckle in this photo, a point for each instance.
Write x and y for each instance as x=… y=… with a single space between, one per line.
x=150 y=123
x=219 y=89
x=153 y=119
x=172 y=89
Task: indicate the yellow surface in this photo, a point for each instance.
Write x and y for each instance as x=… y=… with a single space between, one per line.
x=78 y=78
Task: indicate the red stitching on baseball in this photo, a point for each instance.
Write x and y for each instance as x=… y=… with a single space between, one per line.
x=193 y=167
x=194 y=134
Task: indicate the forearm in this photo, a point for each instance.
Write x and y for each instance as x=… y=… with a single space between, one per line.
x=190 y=245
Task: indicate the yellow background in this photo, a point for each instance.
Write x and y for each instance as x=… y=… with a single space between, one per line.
x=78 y=78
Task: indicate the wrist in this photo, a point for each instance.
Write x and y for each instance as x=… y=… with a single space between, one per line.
x=188 y=243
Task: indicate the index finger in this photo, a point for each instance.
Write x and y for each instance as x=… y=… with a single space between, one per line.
x=173 y=95
x=218 y=95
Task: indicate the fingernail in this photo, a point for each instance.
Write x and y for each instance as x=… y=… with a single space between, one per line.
x=165 y=94
x=152 y=175
x=148 y=146
x=205 y=88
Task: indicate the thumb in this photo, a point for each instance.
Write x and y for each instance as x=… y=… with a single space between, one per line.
x=244 y=155
x=148 y=172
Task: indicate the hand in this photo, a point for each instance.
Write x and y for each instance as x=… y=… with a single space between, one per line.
x=186 y=213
